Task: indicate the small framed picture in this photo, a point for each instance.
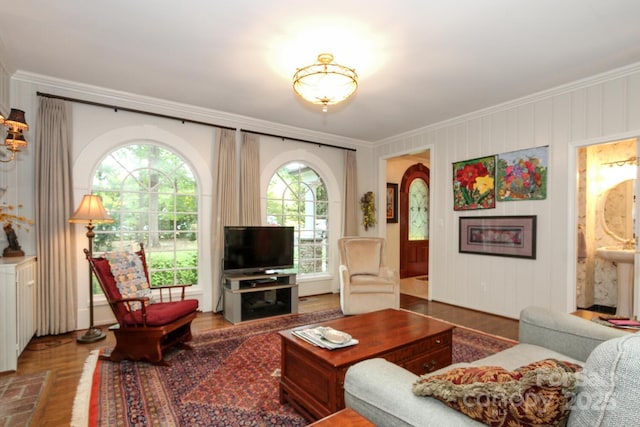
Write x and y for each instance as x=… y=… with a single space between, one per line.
x=512 y=236
x=392 y=202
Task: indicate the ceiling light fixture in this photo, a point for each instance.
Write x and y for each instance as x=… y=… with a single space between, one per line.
x=17 y=124
x=325 y=82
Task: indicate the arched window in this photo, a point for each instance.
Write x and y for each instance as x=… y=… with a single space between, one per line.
x=297 y=196
x=152 y=195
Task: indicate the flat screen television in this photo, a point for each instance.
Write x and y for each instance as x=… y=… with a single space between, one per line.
x=257 y=249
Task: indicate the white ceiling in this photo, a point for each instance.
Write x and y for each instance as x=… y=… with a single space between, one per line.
x=419 y=61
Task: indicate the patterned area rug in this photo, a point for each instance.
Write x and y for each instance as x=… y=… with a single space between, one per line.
x=230 y=378
x=470 y=345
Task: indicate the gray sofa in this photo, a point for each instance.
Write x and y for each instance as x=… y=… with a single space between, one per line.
x=607 y=396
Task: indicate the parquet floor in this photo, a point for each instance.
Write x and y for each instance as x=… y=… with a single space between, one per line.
x=65 y=358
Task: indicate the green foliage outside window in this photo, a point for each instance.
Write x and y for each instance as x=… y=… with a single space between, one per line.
x=297 y=196
x=151 y=193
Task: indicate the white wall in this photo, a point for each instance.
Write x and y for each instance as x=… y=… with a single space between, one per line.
x=96 y=131
x=606 y=107
x=603 y=108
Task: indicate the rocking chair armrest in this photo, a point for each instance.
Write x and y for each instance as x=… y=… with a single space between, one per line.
x=128 y=301
x=169 y=288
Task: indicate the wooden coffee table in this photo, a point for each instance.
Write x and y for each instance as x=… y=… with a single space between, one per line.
x=312 y=378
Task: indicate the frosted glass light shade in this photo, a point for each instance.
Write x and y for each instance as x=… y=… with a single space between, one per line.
x=325 y=82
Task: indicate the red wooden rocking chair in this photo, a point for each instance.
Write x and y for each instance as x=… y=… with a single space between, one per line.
x=144 y=330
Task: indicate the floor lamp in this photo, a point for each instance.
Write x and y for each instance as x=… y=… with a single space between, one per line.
x=90 y=212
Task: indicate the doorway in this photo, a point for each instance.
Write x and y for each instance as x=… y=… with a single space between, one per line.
x=605 y=219
x=410 y=258
x=414 y=222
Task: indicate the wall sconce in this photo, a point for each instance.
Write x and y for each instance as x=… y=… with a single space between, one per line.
x=16 y=124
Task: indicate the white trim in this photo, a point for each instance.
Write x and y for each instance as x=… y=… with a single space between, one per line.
x=92 y=93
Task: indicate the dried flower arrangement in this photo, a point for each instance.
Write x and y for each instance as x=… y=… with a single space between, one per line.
x=368 y=207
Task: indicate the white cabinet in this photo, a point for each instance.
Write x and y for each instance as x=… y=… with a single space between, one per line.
x=18 y=301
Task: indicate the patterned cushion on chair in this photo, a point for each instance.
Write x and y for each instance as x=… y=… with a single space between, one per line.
x=128 y=272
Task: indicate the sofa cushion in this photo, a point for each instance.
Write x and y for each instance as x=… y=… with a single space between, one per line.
x=128 y=272
x=539 y=393
x=608 y=396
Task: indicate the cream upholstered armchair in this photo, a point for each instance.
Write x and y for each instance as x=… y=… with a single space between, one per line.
x=366 y=284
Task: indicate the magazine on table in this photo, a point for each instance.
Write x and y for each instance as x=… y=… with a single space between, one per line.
x=624 y=323
x=325 y=337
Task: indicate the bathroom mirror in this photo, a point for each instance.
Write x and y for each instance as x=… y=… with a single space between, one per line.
x=618 y=210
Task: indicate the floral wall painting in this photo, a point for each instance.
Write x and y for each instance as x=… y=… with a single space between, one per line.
x=474 y=184
x=522 y=175
x=510 y=236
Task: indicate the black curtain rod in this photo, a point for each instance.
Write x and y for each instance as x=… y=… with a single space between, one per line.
x=183 y=120
x=130 y=110
x=320 y=144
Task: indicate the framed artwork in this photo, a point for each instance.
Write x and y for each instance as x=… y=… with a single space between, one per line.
x=522 y=175
x=392 y=202
x=511 y=236
x=474 y=184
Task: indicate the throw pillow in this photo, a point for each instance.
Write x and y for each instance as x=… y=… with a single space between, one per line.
x=128 y=272
x=536 y=394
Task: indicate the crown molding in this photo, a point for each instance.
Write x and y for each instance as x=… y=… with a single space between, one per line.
x=86 y=92
x=528 y=99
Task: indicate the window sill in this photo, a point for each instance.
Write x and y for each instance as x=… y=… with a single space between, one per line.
x=314 y=277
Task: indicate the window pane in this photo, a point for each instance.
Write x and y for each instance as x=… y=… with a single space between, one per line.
x=151 y=194
x=297 y=196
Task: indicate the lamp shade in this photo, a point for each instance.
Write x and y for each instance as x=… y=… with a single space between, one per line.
x=325 y=82
x=15 y=140
x=16 y=121
x=90 y=210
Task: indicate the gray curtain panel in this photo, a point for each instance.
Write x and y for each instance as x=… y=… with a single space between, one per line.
x=250 y=180
x=57 y=288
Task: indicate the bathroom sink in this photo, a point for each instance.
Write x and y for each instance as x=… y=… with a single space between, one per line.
x=624 y=259
x=616 y=254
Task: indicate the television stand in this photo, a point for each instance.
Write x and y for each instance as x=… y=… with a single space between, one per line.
x=256 y=296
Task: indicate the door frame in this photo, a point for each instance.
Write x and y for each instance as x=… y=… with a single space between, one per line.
x=572 y=220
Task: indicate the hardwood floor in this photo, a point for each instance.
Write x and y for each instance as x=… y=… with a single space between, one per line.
x=65 y=358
